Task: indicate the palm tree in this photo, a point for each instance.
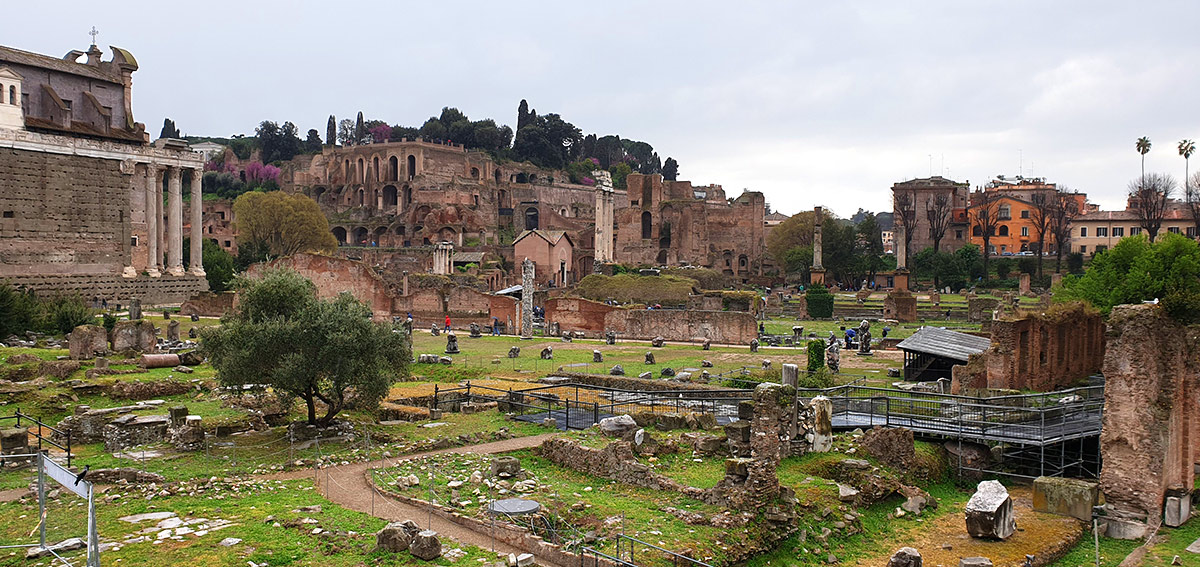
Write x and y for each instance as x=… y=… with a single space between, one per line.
x=1186 y=149
x=1143 y=147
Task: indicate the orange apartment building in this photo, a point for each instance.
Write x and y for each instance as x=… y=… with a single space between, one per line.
x=1017 y=229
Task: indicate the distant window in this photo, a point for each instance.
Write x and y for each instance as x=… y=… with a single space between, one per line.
x=1118 y=231
x=8 y=214
x=1191 y=231
x=1003 y=230
x=1082 y=232
x=976 y=231
x=221 y=215
x=1025 y=213
x=12 y=95
x=1024 y=231
x=1173 y=230
x=1005 y=212
x=133 y=241
x=958 y=234
x=1101 y=231
x=1083 y=249
x=228 y=244
x=1135 y=230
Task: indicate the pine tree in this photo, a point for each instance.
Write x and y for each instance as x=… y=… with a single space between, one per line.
x=331 y=131
x=360 y=131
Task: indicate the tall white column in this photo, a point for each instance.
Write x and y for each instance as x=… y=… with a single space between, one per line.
x=153 y=216
x=175 y=223
x=196 y=266
x=137 y=189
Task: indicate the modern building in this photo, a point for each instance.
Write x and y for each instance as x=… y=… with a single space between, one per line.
x=1097 y=231
x=921 y=194
x=1017 y=229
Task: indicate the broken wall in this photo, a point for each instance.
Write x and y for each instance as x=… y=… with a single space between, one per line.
x=1150 y=442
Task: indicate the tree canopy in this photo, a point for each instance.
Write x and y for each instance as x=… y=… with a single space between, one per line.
x=302 y=347
x=284 y=224
x=1137 y=270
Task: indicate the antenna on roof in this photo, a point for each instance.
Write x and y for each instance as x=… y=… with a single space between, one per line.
x=1021 y=162
x=93 y=33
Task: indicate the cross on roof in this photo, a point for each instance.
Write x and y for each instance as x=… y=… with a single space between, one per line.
x=93 y=33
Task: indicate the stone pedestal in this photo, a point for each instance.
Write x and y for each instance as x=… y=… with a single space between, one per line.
x=816 y=276
x=990 y=512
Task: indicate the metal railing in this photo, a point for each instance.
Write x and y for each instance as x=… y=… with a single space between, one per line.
x=625 y=555
x=18 y=415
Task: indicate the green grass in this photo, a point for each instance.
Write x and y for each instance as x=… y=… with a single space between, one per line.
x=247 y=504
x=1113 y=551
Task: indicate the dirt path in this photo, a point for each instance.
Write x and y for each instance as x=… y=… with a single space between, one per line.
x=347 y=486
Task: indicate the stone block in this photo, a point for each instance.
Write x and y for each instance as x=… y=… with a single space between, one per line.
x=87 y=341
x=137 y=336
x=990 y=512
x=1122 y=528
x=791 y=373
x=617 y=426
x=14 y=440
x=1065 y=496
x=393 y=537
x=597 y=356
x=738 y=431
x=1177 y=510
x=173 y=330
x=505 y=467
x=905 y=557
x=822 y=430
x=739 y=468
x=426 y=545
x=974 y=562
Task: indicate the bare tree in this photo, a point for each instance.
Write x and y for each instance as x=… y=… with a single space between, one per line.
x=1192 y=196
x=938 y=210
x=905 y=204
x=984 y=213
x=1063 y=210
x=1043 y=202
x=1148 y=197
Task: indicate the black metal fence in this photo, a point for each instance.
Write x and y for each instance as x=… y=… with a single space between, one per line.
x=633 y=552
x=42 y=438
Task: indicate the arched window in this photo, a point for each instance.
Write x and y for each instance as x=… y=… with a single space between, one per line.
x=662 y=257
x=647 y=193
x=1003 y=230
x=393 y=169
x=362 y=197
x=346 y=172
x=389 y=196
x=361 y=174
x=497 y=175
x=375 y=163
x=340 y=234
x=474 y=173
x=976 y=231
x=664 y=235
x=522 y=177
x=531 y=218
x=360 y=236
x=647 y=229
x=12 y=94
x=412 y=166
x=407 y=196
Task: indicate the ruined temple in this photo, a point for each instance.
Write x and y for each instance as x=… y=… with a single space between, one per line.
x=391 y=203
x=82 y=207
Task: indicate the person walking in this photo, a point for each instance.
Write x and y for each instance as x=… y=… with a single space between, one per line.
x=447 y=323
x=495 y=326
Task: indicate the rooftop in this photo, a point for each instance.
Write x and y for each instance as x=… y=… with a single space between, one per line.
x=941 y=342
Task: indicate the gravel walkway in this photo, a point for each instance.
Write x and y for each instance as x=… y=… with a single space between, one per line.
x=347 y=486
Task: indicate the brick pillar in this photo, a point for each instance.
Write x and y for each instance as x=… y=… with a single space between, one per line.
x=153 y=216
x=196 y=266
x=175 y=222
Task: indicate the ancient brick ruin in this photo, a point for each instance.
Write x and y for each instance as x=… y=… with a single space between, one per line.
x=1042 y=351
x=1151 y=437
x=594 y=318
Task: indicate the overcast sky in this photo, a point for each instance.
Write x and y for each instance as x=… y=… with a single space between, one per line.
x=809 y=102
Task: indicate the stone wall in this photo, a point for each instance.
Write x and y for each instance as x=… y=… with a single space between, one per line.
x=980 y=308
x=724 y=327
x=1044 y=351
x=901 y=306
x=1150 y=443
x=208 y=304
x=165 y=290
x=578 y=314
x=62 y=214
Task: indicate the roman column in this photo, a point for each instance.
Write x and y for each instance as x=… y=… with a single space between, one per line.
x=816 y=274
x=160 y=216
x=899 y=247
x=527 y=288
x=153 y=201
x=175 y=222
x=196 y=266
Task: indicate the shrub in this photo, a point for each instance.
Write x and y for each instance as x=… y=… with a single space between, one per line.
x=816 y=355
x=1028 y=265
x=1075 y=263
x=819 y=379
x=110 y=322
x=1004 y=267
x=820 y=302
x=17 y=310
x=62 y=313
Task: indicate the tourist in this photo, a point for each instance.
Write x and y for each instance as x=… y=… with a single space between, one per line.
x=885 y=331
x=761 y=329
x=447 y=323
x=495 y=326
x=947 y=314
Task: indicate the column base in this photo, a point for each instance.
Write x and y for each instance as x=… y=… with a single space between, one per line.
x=153 y=272
x=129 y=272
x=197 y=272
x=176 y=271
